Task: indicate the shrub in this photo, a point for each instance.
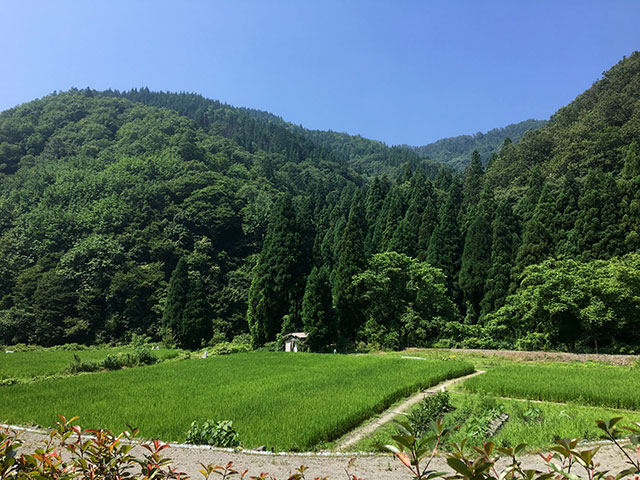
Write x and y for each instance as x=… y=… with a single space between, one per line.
x=227 y=348
x=430 y=409
x=209 y=432
x=533 y=341
x=141 y=356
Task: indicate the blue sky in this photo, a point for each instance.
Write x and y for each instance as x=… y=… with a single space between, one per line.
x=397 y=71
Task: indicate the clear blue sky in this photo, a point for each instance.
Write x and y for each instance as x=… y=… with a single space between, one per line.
x=399 y=71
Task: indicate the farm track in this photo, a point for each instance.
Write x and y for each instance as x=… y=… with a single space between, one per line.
x=518 y=355
x=371 y=426
x=371 y=467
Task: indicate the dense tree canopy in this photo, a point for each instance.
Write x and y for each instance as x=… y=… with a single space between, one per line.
x=177 y=216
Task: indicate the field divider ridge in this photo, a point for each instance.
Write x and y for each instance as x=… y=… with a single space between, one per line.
x=357 y=434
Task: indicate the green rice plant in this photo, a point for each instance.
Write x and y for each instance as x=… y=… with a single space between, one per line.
x=585 y=384
x=43 y=362
x=286 y=401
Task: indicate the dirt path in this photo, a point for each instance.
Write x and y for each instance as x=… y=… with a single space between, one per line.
x=551 y=356
x=354 y=436
x=370 y=467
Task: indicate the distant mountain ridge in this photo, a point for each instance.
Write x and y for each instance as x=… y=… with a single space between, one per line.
x=456 y=151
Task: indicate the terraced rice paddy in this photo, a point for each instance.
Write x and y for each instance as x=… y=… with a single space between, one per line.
x=284 y=401
x=596 y=384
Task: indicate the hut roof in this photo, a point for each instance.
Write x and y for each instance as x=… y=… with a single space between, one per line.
x=296 y=335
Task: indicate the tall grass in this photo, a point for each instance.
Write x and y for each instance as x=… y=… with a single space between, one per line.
x=286 y=401
x=598 y=385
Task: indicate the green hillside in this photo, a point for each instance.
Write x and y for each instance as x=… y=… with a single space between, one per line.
x=189 y=220
x=456 y=151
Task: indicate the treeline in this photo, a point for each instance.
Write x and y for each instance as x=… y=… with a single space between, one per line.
x=416 y=263
x=189 y=220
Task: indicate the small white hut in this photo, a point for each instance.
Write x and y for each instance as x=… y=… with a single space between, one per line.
x=292 y=341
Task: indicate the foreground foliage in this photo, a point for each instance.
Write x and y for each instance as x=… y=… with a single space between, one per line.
x=71 y=452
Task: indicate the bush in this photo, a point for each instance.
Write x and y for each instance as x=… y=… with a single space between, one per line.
x=141 y=356
x=431 y=408
x=227 y=348
x=209 y=432
x=533 y=341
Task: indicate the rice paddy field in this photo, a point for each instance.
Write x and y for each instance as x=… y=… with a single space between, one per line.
x=45 y=362
x=584 y=384
x=284 y=401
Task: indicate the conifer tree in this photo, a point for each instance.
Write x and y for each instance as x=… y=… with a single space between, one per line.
x=393 y=214
x=428 y=221
x=445 y=245
x=279 y=276
x=405 y=237
x=476 y=255
x=176 y=296
x=528 y=202
x=565 y=214
x=537 y=237
x=598 y=227
x=443 y=179
x=504 y=246
x=195 y=325
x=629 y=186
x=318 y=315
x=351 y=261
x=373 y=207
x=472 y=182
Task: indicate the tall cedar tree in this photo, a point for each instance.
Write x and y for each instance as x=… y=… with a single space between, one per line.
x=373 y=206
x=337 y=221
x=195 y=325
x=318 y=315
x=537 y=237
x=504 y=246
x=476 y=256
x=565 y=213
x=279 y=276
x=471 y=190
x=528 y=202
x=598 y=228
x=176 y=296
x=630 y=202
x=445 y=245
x=405 y=238
x=351 y=261
x=391 y=214
x=428 y=221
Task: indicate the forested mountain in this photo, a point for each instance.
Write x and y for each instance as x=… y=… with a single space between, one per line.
x=258 y=130
x=186 y=219
x=456 y=151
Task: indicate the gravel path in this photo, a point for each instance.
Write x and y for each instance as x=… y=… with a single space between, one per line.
x=371 y=426
x=370 y=467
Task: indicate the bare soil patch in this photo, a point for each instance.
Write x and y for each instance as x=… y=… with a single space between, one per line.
x=552 y=356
